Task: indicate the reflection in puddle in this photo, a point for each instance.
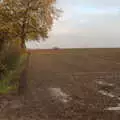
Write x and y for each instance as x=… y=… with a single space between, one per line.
x=59 y=94
x=112 y=96
x=114 y=108
x=106 y=93
x=104 y=83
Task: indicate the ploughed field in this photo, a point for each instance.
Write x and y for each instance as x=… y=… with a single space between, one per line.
x=71 y=84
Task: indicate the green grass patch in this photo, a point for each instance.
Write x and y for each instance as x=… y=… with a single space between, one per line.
x=15 y=65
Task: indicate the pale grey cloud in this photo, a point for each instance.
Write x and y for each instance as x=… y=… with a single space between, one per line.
x=98 y=3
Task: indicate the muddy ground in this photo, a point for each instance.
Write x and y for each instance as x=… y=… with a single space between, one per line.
x=68 y=85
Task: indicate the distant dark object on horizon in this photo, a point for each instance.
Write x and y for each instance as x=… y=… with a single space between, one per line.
x=56 y=48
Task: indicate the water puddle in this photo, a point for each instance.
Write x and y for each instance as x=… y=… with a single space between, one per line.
x=112 y=96
x=106 y=94
x=113 y=108
x=59 y=94
x=105 y=83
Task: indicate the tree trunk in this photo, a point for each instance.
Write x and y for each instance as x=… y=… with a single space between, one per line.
x=1 y=44
x=22 y=45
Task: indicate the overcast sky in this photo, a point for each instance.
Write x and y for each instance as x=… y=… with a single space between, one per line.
x=85 y=23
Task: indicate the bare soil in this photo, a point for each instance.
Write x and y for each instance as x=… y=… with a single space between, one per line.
x=79 y=74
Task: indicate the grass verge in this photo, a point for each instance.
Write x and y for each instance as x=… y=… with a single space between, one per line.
x=10 y=81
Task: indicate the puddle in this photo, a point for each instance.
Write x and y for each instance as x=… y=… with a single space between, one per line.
x=114 y=108
x=106 y=93
x=59 y=94
x=109 y=95
x=104 y=83
x=112 y=96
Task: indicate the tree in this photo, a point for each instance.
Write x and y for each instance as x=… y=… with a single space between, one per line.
x=23 y=20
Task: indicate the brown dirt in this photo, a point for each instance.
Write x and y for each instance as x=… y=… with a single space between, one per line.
x=76 y=73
